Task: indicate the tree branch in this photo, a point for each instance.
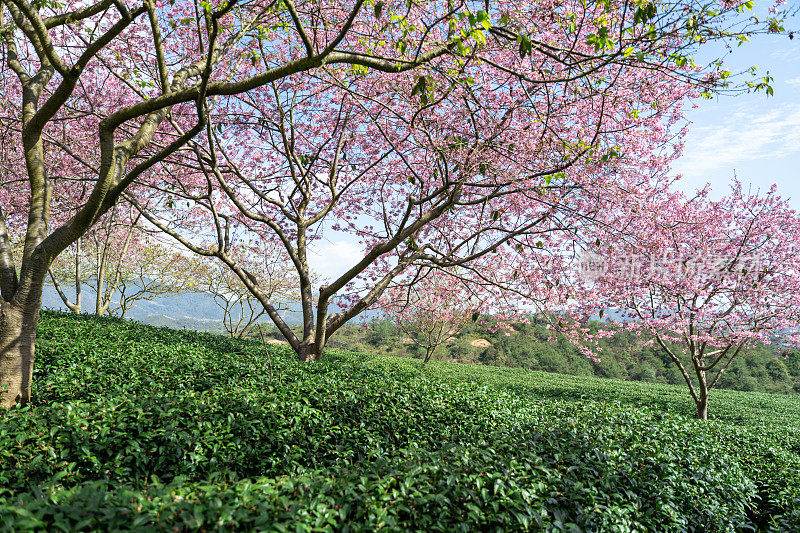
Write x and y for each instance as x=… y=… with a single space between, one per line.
x=78 y=14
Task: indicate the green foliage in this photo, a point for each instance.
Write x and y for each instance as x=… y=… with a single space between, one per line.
x=624 y=356
x=138 y=428
x=381 y=332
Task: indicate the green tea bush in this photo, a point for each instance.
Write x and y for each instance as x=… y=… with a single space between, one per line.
x=138 y=428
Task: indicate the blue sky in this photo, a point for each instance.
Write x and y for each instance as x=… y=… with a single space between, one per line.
x=752 y=135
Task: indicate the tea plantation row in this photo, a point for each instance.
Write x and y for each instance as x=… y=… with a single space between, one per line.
x=138 y=428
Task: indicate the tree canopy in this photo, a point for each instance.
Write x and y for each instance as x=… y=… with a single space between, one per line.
x=437 y=132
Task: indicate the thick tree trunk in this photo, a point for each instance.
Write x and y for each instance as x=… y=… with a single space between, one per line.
x=17 y=338
x=702 y=407
x=309 y=353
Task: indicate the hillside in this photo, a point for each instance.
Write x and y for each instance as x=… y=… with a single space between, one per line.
x=142 y=428
x=624 y=356
x=190 y=310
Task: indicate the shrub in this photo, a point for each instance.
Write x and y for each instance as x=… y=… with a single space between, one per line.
x=141 y=428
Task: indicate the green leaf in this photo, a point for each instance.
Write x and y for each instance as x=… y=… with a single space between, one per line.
x=644 y=13
x=524 y=46
x=420 y=87
x=745 y=6
x=483 y=19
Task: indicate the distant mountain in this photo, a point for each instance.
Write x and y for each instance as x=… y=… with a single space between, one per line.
x=196 y=311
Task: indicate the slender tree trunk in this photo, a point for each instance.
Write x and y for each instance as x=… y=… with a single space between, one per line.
x=74 y=307
x=77 y=308
x=702 y=396
x=17 y=339
x=99 y=307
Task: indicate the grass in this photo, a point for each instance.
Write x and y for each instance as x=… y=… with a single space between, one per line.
x=754 y=409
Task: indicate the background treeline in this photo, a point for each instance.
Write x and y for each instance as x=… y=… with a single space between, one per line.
x=624 y=356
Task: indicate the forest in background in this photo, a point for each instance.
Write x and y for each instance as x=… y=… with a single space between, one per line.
x=763 y=368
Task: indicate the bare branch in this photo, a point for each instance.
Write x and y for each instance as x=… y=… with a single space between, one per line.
x=78 y=14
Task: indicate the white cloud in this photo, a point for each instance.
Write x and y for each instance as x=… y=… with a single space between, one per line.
x=330 y=259
x=785 y=53
x=741 y=136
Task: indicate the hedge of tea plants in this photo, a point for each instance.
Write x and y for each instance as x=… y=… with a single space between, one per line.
x=144 y=429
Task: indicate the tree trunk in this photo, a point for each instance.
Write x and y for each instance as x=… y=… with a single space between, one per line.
x=701 y=399
x=77 y=308
x=99 y=299
x=17 y=338
x=702 y=406
x=308 y=352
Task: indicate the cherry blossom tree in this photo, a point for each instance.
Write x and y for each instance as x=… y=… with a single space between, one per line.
x=240 y=308
x=100 y=94
x=103 y=98
x=155 y=270
x=431 y=309
x=485 y=160
x=99 y=260
x=701 y=279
